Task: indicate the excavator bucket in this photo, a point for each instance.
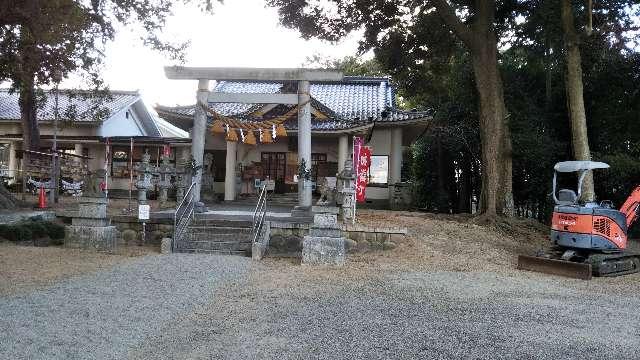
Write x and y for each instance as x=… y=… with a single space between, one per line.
x=555 y=267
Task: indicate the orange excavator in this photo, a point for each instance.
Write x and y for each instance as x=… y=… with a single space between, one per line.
x=588 y=238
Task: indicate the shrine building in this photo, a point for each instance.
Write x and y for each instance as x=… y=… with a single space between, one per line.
x=247 y=138
x=84 y=124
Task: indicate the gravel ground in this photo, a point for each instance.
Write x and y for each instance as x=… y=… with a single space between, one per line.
x=448 y=291
x=407 y=315
x=104 y=315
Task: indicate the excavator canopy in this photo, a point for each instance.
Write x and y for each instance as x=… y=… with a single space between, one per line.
x=574 y=166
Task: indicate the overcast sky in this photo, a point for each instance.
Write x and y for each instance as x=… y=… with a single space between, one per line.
x=239 y=33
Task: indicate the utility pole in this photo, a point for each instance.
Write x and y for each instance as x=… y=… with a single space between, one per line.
x=55 y=173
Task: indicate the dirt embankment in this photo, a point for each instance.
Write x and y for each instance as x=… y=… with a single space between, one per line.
x=455 y=242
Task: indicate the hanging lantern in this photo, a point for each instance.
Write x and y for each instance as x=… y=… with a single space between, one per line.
x=281 y=131
x=265 y=137
x=231 y=135
x=250 y=138
x=218 y=127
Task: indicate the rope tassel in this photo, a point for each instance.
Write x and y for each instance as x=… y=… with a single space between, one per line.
x=218 y=127
x=250 y=138
x=265 y=137
x=281 y=131
x=231 y=135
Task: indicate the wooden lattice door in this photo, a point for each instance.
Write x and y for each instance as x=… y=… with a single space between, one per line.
x=274 y=165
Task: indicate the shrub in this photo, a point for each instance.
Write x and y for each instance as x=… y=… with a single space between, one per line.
x=55 y=231
x=29 y=230
x=38 y=230
x=16 y=232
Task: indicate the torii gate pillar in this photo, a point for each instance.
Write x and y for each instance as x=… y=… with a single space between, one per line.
x=198 y=134
x=304 y=142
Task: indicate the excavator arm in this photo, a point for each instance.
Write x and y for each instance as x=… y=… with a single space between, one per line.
x=631 y=207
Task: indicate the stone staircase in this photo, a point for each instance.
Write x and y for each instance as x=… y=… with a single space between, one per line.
x=279 y=200
x=217 y=235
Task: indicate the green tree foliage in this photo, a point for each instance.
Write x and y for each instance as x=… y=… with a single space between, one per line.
x=349 y=65
x=533 y=72
x=414 y=42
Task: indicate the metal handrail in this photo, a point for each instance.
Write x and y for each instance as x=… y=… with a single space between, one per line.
x=183 y=215
x=259 y=214
x=260 y=200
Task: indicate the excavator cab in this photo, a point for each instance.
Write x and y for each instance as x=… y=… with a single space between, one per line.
x=569 y=196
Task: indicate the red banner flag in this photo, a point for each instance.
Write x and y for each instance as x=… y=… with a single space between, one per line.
x=363 y=164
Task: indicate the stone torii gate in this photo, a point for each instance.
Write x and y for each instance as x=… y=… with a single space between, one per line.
x=301 y=98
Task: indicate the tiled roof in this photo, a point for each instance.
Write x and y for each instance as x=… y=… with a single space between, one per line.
x=353 y=102
x=169 y=130
x=84 y=107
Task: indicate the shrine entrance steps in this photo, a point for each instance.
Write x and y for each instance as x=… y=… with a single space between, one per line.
x=223 y=235
x=226 y=229
x=277 y=200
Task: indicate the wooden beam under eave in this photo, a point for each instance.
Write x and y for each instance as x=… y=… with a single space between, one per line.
x=261 y=74
x=250 y=98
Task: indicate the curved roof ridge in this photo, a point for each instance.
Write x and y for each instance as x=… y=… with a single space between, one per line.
x=85 y=91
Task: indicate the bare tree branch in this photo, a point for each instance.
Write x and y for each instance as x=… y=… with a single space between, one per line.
x=448 y=15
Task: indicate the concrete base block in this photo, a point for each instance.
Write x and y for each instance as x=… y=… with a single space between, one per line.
x=323 y=251
x=102 y=238
x=165 y=246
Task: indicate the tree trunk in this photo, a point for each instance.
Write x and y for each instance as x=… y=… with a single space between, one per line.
x=506 y=204
x=575 y=99
x=496 y=196
x=28 y=116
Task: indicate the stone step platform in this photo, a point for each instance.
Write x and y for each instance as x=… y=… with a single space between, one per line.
x=214 y=252
x=245 y=220
x=274 y=202
x=229 y=222
x=208 y=236
x=219 y=230
x=222 y=246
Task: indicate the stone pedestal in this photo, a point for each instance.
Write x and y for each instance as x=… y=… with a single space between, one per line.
x=165 y=246
x=346 y=191
x=400 y=196
x=90 y=228
x=324 y=245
